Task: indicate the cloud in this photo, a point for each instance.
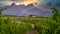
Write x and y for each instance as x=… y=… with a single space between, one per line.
x=17 y=2
x=9 y=0
x=26 y=2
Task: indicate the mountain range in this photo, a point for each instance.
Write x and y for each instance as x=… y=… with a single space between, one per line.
x=22 y=10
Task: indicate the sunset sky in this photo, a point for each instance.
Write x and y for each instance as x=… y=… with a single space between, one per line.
x=41 y=7
x=26 y=2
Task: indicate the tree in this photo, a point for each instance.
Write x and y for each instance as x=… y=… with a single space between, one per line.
x=55 y=14
x=30 y=15
x=2 y=10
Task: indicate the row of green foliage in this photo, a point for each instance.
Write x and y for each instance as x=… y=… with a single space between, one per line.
x=7 y=27
x=51 y=26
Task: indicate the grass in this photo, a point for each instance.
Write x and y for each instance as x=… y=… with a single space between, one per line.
x=20 y=25
x=8 y=27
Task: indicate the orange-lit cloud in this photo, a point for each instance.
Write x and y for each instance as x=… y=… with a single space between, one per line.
x=26 y=2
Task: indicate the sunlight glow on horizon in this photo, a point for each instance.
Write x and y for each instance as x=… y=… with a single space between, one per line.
x=25 y=2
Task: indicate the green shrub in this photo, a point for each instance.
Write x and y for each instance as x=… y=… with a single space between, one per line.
x=7 y=27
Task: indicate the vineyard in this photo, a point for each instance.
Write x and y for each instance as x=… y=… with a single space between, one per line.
x=21 y=25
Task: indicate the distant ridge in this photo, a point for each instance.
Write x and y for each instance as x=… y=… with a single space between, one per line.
x=0 y=7
x=22 y=10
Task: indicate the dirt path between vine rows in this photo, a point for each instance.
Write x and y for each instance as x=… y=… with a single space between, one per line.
x=32 y=30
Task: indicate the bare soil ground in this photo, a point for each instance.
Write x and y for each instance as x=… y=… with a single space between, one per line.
x=32 y=31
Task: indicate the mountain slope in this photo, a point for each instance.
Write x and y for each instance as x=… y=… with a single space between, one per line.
x=23 y=10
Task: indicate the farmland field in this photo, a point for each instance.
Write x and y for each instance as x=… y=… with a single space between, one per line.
x=29 y=17
x=18 y=25
x=30 y=24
